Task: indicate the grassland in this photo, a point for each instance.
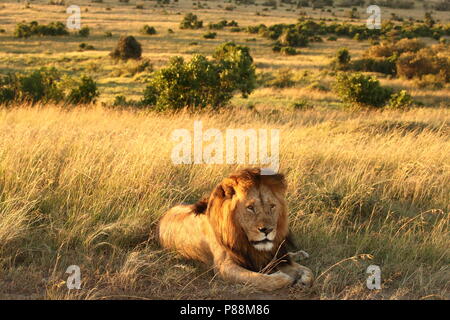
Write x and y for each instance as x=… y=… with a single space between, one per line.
x=87 y=185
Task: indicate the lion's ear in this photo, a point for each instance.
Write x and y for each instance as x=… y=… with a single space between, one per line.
x=228 y=186
x=275 y=181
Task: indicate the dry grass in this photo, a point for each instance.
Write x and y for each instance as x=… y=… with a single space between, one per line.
x=87 y=187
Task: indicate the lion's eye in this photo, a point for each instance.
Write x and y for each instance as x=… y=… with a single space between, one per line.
x=272 y=206
x=251 y=208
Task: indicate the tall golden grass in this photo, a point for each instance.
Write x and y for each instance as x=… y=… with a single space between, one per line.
x=86 y=186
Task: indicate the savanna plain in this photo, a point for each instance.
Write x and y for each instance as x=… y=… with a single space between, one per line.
x=86 y=185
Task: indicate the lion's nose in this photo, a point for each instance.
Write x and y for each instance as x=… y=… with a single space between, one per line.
x=265 y=230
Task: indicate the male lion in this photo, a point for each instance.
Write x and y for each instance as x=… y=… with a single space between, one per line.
x=241 y=230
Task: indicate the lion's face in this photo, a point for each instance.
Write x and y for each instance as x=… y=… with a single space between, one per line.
x=257 y=212
x=248 y=213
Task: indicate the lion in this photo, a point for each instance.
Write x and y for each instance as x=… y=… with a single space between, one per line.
x=241 y=230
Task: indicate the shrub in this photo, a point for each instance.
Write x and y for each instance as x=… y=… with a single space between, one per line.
x=408 y=45
x=122 y=101
x=85 y=46
x=46 y=85
x=84 y=32
x=293 y=38
x=236 y=66
x=276 y=47
x=361 y=90
x=202 y=82
x=8 y=88
x=400 y=100
x=83 y=90
x=387 y=50
x=425 y=61
x=127 y=48
x=25 y=30
x=288 y=51
x=341 y=60
x=40 y=85
x=190 y=21
x=381 y=65
x=210 y=35
x=148 y=30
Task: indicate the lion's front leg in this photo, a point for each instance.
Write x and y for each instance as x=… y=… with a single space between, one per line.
x=301 y=274
x=267 y=282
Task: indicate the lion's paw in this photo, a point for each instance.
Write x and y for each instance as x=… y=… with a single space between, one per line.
x=306 y=277
x=278 y=280
x=298 y=255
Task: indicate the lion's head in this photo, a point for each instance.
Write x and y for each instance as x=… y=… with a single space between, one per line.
x=248 y=213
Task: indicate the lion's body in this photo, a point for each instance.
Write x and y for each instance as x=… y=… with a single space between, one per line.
x=189 y=234
x=241 y=230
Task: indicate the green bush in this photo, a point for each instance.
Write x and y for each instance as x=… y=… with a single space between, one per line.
x=400 y=100
x=84 y=32
x=148 y=30
x=210 y=35
x=40 y=85
x=190 y=21
x=380 y=65
x=200 y=82
x=341 y=60
x=83 y=91
x=360 y=90
x=46 y=85
x=236 y=67
x=122 y=101
x=293 y=38
x=85 y=46
x=288 y=51
x=25 y=30
x=127 y=48
x=8 y=88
